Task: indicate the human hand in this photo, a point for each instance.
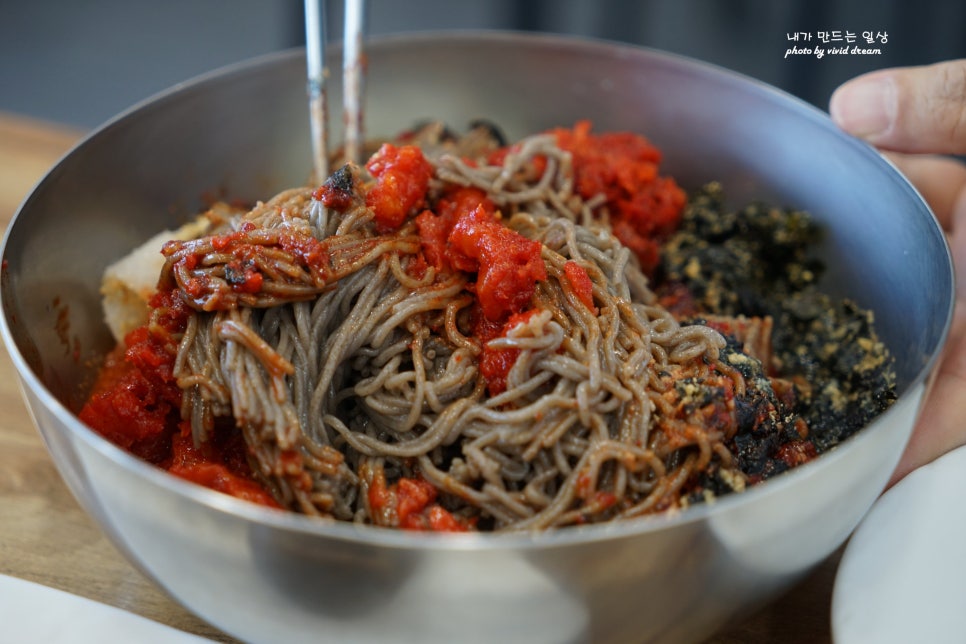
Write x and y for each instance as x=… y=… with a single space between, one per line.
x=916 y=115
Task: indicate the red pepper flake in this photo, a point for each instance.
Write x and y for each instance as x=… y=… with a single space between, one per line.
x=402 y=178
x=379 y=496
x=413 y=497
x=311 y=252
x=435 y=227
x=495 y=363
x=433 y=231
x=417 y=267
x=441 y=520
x=508 y=265
x=411 y=502
x=581 y=284
x=644 y=206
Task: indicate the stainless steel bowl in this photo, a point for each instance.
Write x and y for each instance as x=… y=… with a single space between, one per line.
x=265 y=576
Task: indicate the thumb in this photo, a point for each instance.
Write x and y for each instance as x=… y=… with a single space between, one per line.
x=907 y=109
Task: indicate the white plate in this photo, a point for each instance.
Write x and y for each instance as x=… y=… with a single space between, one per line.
x=902 y=577
x=30 y=613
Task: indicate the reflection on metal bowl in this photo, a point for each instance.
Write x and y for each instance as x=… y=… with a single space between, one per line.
x=269 y=576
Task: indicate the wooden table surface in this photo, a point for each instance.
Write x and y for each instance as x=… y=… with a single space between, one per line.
x=45 y=537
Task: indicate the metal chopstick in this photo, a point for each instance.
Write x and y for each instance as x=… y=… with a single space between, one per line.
x=353 y=79
x=317 y=73
x=353 y=83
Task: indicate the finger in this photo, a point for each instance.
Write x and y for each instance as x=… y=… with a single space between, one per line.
x=941 y=427
x=940 y=180
x=907 y=109
x=942 y=424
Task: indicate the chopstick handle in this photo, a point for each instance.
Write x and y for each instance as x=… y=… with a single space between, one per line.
x=353 y=84
x=353 y=79
x=317 y=74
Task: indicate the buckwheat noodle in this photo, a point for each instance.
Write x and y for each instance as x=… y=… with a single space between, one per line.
x=363 y=370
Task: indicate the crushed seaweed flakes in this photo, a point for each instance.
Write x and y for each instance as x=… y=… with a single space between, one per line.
x=759 y=261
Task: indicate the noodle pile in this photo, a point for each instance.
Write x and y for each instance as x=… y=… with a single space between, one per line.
x=351 y=375
x=460 y=335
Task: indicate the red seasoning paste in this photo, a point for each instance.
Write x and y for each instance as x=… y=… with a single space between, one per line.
x=402 y=177
x=644 y=206
x=409 y=503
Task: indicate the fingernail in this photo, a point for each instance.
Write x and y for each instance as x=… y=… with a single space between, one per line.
x=864 y=107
